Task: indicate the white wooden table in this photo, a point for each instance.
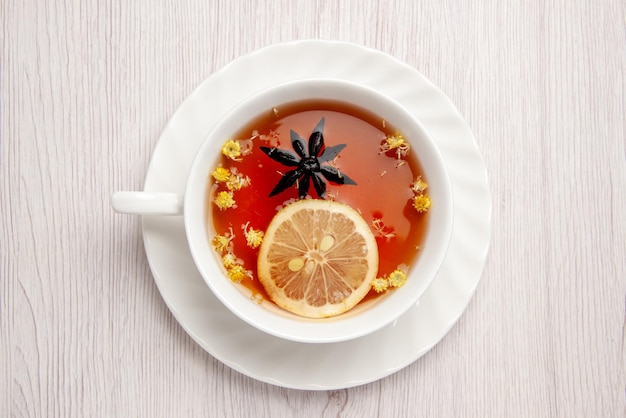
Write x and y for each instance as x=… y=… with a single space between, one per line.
x=86 y=89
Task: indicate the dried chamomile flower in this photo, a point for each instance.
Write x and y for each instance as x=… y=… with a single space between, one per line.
x=421 y=203
x=237 y=181
x=395 y=142
x=221 y=242
x=224 y=200
x=380 y=284
x=419 y=186
x=229 y=260
x=232 y=150
x=237 y=273
x=254 y=237
x=397 y=278
x=221 y=175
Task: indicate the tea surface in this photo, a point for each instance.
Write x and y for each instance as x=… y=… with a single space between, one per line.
x=383 y=193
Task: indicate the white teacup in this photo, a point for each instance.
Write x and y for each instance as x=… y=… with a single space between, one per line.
x=367 y=316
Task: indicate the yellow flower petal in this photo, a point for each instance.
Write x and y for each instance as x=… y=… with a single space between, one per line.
x=220 y=174
x=397 y=278
x=421 y=203
x=237 y=181
x=224 y=200
x=232 y=149
x=254 y=237
x=229 y=260
x=237 y=273
x=221 y=242
x=419 y=186
x=380 y=284
x=396 y=142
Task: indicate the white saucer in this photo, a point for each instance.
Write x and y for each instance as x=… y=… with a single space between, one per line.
x=318 y=366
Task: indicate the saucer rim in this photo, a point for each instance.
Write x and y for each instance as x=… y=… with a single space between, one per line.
x=322 y=379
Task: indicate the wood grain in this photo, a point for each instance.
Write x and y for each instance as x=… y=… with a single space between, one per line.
x=87 y=87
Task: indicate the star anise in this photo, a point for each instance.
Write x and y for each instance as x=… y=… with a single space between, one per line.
x=308 y=163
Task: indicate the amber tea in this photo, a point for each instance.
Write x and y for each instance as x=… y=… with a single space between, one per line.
x=318 y=150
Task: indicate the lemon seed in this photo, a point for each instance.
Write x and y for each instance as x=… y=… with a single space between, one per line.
x=296 y=264
x=327 y=242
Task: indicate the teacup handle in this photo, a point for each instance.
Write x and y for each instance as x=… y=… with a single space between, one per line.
x=147 y=203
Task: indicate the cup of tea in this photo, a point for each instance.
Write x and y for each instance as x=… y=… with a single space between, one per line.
x=317 y=210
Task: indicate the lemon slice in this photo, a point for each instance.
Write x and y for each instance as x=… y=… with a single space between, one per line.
x=318 y=258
